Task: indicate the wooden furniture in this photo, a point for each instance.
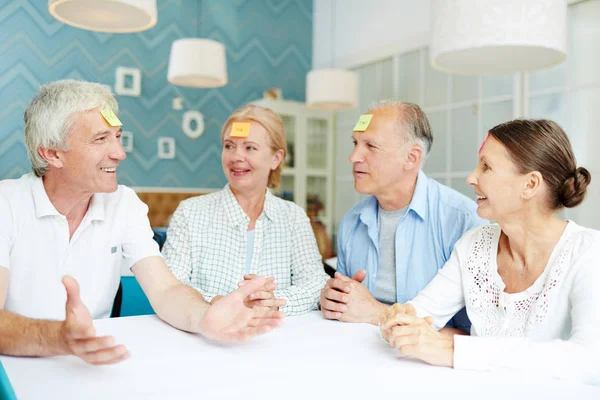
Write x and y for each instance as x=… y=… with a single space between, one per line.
x=308 y=176
x=162 y=204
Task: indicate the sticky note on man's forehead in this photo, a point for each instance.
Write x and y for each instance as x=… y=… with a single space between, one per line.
x=240 y=129
x=363 y=123
x=110 y=117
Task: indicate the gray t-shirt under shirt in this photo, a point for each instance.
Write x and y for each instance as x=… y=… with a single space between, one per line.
x=385 y=286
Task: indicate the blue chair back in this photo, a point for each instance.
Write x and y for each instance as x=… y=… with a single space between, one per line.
x=6 y=390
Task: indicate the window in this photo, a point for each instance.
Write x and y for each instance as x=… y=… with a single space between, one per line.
x=461 y=109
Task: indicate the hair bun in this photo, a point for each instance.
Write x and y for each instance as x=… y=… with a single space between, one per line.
x=574 y=188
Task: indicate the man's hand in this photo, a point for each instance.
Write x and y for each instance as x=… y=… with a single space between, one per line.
x=78 y=334
x=348 y=300
x=229 y=319
x=265 y=296
x=415 y=336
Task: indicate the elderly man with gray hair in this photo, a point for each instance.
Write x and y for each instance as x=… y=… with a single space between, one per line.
x=68 y=227
x=393 y=242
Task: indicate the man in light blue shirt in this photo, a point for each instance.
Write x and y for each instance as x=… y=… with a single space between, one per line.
x=395 y=240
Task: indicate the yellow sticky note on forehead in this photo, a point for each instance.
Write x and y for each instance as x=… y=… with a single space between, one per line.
x=110 y=117
x=363 y=123
x=240 y=129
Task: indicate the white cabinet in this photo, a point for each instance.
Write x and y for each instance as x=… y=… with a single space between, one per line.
x=308 y=176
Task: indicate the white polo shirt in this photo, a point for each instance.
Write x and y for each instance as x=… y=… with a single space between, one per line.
x=36 y=250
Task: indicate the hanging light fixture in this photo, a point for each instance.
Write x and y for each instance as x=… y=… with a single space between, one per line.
x=114 y=16
x=197 y=63
x=497 y=36
x=332 y=88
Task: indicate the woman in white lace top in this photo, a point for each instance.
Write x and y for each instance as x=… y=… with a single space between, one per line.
x=530 y=282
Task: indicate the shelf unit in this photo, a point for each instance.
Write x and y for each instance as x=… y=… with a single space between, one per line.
x=309 y=168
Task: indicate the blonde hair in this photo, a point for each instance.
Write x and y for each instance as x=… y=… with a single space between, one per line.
x=272 y=123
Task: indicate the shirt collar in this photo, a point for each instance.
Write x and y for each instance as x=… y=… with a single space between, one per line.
x=238 y=217
x=44 y=207
x=368 y=213
x=271 y=211
x=232 y=209
x=419 y=200
x=96 y=208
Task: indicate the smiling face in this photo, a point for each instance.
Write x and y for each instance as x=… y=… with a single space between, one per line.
x=248 y=161
x=94 y=154
x=498 y=185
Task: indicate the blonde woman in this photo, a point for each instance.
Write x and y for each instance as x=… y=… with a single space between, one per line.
x=217 y=241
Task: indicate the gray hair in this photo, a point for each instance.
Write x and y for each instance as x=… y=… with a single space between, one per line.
x=412 y=123
x=52 y=113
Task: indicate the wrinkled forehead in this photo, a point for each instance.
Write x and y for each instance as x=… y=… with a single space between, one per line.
x=493 y=150
x=383 y=127
x=93 y=122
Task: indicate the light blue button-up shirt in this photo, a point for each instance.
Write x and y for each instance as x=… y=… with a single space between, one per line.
x=437 y=217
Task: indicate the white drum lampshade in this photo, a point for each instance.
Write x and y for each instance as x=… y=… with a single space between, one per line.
x=198 y=63
x=332 y=89
x=497 y=36
x=114 y=16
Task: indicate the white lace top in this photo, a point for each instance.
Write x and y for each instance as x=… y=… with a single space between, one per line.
x=552 y=328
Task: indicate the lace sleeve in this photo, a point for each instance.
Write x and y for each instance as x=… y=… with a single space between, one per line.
x=443 y=297
x=569 y=354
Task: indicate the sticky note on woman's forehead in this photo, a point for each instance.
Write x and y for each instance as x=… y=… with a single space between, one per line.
x=483 y=143
x=363 y=123
x=110 y=117
x=240 y=129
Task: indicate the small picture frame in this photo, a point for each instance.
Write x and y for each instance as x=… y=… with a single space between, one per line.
x=186 y=125
x=166 y=147
x=127 y=141
x=177 y=103
x=128 y=81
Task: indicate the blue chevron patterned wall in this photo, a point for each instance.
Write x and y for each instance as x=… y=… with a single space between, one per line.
x=268 y=42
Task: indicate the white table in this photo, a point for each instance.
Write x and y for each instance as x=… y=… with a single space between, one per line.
x=307 y=358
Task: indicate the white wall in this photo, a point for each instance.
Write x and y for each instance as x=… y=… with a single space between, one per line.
x=382 y=51
x=367 y=30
